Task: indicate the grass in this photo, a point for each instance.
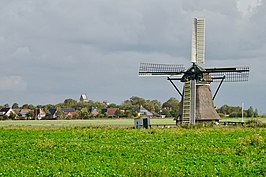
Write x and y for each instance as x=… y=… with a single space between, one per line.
x=263 y=119
x=130 y=152
x=96 y=122
x=78 y=123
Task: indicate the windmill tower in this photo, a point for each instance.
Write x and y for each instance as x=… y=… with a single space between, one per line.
x=197 y=100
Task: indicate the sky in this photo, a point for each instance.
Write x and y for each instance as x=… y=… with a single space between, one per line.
x=51 y=50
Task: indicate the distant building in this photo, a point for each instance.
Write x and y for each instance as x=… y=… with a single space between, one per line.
x=52 y=113
x=68 y=112
x=110 y=111
x=143 y=111
x=83 y=98
x=142 y=122
x=23 y=112
x=39 y=113
x=6 y=112
x=93 y=111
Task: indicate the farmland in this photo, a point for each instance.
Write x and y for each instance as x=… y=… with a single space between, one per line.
x=129 y=152
x=94 y=122
x=79 y=123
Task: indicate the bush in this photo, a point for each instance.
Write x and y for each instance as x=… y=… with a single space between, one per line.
x=254 y=140
x=200 y=125
x=222 y=115
x=255 y=123
x=235 y=114
x=5 y=117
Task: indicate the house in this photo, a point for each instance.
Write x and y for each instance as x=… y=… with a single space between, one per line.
x=39 y=113
x=143 y=111
x=52 y=113
x=111 y=112
x=93 y=111
x=68 y=112
x=83 y=98
x=7 y=112
x=23 y=112
x=142 y=122
x=16 y=110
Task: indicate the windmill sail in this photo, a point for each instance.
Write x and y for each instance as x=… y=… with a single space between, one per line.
x=232 y=74
x=198 y=41
x=151 y=69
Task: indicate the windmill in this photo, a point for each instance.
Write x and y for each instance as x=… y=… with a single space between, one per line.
x=197 y=100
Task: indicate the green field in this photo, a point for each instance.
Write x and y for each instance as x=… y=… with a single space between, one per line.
x=130 y=152
x=79 y=123
x=95 y=122
x=240 y=119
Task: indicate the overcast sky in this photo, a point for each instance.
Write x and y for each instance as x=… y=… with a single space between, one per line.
x=51 y=50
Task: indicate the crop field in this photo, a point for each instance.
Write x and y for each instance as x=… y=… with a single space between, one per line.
x=79 y=123
x=95 y=122
x=262 y=119
x=130 y=152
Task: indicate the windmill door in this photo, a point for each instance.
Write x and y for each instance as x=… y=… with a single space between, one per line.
x=145 y=123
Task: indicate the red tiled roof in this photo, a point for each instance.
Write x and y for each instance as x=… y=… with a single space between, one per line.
x=24 y=110
x=111 y=111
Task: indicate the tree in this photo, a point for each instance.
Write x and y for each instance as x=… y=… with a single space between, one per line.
x=234 y=114
x=106 y=115
x=119 y=113
x=70 y=102
x=59 y=113
x=232 y=111
x=166 y=112
x=126 y=105
x=173 y=105
x=112 y=105
x=12 y=116
x=250 y=112
x=137 y=101
x=47 y=107
x=28 y=106
x=6 y=105
x=224 y=110
x=83 y=113
x=15 y=106
x=5 y=117
x=152 y=105
x=128 y=108
x=98 y=105
x=81 y=105
x=256 y=113
x=29 y=115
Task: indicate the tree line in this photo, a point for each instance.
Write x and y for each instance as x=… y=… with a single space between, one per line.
x=170 y=108
x=236 y=111
x=124 y=110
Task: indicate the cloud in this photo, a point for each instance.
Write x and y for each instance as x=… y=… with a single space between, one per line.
x=61 y=48
x=12 y=83
x=247 y=7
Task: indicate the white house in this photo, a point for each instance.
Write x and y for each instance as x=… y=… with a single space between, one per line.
x=39 y=113
x=6 y=112
x=143 y=111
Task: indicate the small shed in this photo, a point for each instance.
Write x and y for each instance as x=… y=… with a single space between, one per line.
x=142 y=122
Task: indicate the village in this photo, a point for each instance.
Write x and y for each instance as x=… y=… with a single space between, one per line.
x=84 y=108
x=72 y=109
